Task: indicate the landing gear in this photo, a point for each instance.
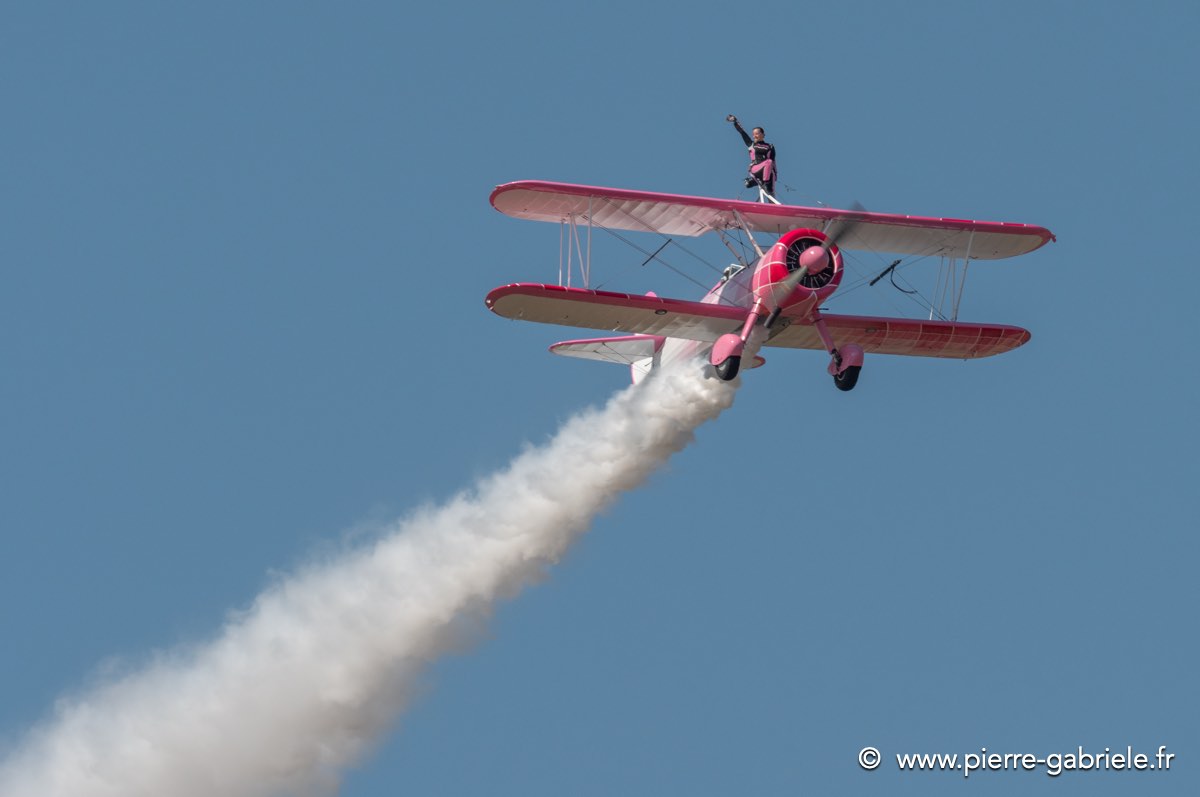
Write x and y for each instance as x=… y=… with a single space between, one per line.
x=845 y=362
x=726 y=354
x=728 y=369
x=848 y=378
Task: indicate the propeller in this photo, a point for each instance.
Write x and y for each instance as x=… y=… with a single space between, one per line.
x=814 y=259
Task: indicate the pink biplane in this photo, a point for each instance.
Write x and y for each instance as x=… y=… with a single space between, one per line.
x=772 y=298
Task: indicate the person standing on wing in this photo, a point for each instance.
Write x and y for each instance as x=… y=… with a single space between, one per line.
x=762 y=158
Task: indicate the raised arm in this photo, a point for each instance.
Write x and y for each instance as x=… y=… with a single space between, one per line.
x=746 y=138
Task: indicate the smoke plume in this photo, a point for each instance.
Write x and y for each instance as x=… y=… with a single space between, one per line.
x=295 y=688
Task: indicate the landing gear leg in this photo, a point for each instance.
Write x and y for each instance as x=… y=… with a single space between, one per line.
x=845 y=363
x=726 y=355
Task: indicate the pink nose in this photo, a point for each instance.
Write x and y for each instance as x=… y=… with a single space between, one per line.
x=814 y=259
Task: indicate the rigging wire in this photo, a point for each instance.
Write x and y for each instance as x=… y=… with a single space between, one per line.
x=651 y=228
x=914 y=295
x=738 y=235
x=886 y=297
x=650 y=256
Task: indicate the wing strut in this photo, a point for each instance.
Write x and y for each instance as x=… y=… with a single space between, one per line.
x=736 y=254
x=951 y=281
x=963 y=282
x=746 y=229
x=568 y=234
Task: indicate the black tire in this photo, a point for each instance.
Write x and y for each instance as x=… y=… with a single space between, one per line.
x=847 y=379
x=727 y=370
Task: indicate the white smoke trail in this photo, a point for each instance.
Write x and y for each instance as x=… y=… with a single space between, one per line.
x=295 y=688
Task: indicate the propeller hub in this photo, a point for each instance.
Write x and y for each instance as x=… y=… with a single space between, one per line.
x=814 y=259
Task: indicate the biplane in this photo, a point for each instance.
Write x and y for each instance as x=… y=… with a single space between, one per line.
x=771 y=297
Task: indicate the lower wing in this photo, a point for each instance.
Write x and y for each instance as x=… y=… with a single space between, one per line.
x=615 y=312
x=906 y=336
x=652 y=315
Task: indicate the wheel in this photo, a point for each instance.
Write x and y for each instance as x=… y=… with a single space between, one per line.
x=847 y=379
x=727 y=370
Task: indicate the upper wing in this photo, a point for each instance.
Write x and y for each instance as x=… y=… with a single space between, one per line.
x=672 y=214
x=619 y=312
x=906 y=336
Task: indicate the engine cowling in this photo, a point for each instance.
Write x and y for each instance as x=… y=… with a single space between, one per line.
x=796 y=249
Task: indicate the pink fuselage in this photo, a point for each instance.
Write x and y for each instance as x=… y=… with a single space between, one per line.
x=736 y=292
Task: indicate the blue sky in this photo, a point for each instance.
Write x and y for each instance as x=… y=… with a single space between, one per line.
x=244 y=254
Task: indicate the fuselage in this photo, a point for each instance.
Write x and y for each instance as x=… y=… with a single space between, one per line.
x=734 y=291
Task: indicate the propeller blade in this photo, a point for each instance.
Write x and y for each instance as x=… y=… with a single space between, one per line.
x=842 y=226
x=789 y=283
